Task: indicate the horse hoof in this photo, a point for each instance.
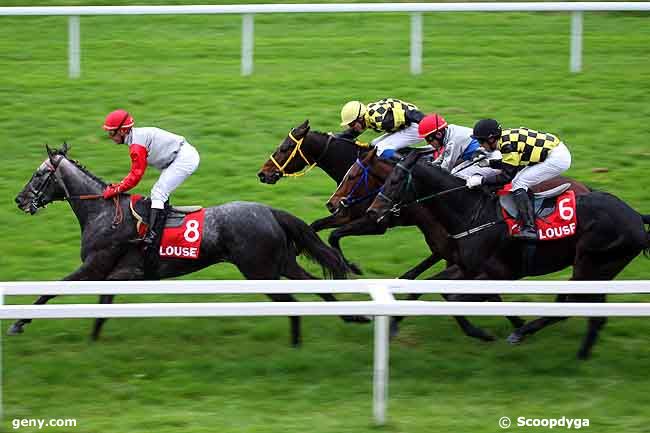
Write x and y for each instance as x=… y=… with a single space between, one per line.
x=479 y=334
x=15 y=329
x=394 y=329
x=515 y=338
x=356 y=319
x=356 y=270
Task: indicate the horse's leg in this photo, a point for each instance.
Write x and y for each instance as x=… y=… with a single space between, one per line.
x=294 y=271
x=99 y=322
x=517 y=322
x=128 y=267
x=328 y=222
x=358 y=227
x=533 y=326
x=417 y=270
x=594 y=325
x=18 y=326
x=253 y=270
x=91 y=269
x=453 y=272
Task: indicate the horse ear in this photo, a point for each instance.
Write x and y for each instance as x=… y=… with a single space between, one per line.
x=50 y=152
x=305 y=125
x=64 y=148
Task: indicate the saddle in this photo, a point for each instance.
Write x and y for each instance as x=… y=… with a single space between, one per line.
x=543 y=202
x=141 y=208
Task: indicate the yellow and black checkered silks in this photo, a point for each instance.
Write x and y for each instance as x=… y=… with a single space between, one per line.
x=523 y=146
x=388 y=115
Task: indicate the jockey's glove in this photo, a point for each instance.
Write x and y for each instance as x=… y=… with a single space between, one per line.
x=111 y=191
x=474 y=180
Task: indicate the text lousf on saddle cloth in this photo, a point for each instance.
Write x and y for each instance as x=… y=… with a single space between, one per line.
x=184 y=241
x=560 y=223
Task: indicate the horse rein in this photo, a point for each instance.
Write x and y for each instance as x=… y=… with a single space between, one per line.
x=396 y=207
x=296 y=150
x=119 y=212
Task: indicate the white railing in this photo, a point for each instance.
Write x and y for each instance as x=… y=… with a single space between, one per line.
x=416 y=9
x=382 y=304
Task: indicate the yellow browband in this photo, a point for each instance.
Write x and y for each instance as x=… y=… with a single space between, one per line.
x=297 y=149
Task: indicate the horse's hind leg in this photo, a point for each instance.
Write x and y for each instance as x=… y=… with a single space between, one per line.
x=294 y=271
x=18 y=326
x=253 y=270
x=294 y=321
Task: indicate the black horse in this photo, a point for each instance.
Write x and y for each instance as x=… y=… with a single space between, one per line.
x=261 y=241
x=608 y=236
x=304 y=149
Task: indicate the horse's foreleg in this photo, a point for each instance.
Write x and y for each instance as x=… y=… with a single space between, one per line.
x=329 y=222
x=533 y=326
x=128 y=267
x=18 y=326
x=417 y=270
x=84 y=272
x=358 y=227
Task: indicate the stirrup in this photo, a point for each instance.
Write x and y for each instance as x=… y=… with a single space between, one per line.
x=528 y=235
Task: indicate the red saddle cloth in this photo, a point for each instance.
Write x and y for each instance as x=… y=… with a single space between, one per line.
x=182 y=241
x=557 y=223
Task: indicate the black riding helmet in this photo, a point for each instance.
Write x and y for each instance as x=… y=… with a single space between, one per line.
x=486 y=129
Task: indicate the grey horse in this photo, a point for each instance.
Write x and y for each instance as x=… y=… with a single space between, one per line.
x=261 y=241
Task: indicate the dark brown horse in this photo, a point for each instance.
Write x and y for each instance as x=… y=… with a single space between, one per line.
x=608 y=236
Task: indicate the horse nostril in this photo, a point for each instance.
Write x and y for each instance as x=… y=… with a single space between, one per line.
x=17 y=200
x=262 y=177
x=330 y=207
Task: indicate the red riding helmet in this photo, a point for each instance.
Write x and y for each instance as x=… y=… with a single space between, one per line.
x=430 y=124
x=118 y=119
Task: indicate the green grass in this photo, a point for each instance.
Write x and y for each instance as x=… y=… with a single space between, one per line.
x=239 y=375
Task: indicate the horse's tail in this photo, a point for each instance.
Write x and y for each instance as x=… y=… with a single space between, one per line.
x=307 y=242
x=646 y=250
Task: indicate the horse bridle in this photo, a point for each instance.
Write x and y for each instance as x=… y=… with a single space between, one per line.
x=397 y=206
x=348 y=200
x=37 y=200
x=298 y=150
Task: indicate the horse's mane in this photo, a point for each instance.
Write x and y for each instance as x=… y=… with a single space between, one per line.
x=83 y=169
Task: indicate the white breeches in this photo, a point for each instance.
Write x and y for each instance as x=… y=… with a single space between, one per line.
x=397 y=140
x=556 y=163
x=185 y=163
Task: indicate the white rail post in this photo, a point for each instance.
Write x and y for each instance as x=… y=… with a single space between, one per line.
x=380 y=369
x=74 y=51
x=2 y=302
x=576 y=41
x=416 y=43
x=247 y=40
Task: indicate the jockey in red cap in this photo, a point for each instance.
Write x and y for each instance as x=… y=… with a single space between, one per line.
x=170 y=153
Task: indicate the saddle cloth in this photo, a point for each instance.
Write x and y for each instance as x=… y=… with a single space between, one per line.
x=183 y=231
x=555 y=212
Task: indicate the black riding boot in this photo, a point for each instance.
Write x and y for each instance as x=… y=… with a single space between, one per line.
x=152 y=243
x=527 y=230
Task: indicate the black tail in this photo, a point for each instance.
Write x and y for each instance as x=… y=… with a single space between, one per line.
x=307 y=242
x=646 y=250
